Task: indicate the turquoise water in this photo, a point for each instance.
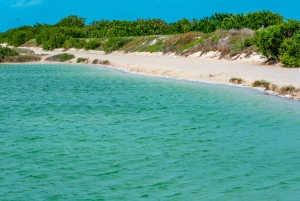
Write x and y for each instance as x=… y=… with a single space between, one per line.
x=75 y=132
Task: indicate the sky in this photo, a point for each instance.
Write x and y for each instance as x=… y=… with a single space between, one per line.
x=15 y=13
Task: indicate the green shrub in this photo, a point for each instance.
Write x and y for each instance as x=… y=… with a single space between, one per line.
x=235 y=48
x=21 y=58
x=248 y=42
x=290 y=51
x=82 y=60
x=6 y=51
x=105 y=62
x=92 y=44
x=61 y=57
x=20 y=35
x=56 y=41
x=269 y=40
x=95 y=61
x=71 y=21
x=215 y=38
x=115 y=43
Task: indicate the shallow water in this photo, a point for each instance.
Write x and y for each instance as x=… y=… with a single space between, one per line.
x=75 y=132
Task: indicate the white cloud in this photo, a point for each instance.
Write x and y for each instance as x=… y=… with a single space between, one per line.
x=24 y=3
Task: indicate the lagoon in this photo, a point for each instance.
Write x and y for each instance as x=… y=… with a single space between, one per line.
x=74 y=132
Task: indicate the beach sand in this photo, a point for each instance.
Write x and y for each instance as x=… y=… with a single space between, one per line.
x=193 y=67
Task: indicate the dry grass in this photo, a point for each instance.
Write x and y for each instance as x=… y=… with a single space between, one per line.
x=23 y=50
x=30 y=43
x=229 y=43
x=166 y=44
x=283 y=90
x=261 y=83
x=288 y=90
x=236 y=80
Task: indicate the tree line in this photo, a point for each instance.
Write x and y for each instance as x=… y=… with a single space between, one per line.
x=74 y=27
x=276 y=37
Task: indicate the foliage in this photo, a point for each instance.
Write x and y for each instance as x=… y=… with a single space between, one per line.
x=12 y=55
x=228 y=21
x=289 y=51
x=105 y=62
x=23 y=50
x=92 y=44
x=95 y=61
x=181 y=26
x=235 y=48
x=71 y=21
x=18 y=36
x=21 y=58
x=228 y=43
x=5 y=51
x=82 y=60
x=115 y=43
x=269 y=40
x=189 y=45
x=74 y=43
x=273 y=36
x=253 y=21
x=61 y=57
x=53 y=36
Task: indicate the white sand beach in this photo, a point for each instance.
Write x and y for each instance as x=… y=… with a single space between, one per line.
x=192 y=67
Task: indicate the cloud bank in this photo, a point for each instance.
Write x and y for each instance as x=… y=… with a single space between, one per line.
x=25 y=3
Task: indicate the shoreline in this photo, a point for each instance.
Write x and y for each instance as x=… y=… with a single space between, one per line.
x=203 y=69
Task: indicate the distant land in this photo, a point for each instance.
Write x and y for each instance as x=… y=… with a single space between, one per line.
x=261 y=37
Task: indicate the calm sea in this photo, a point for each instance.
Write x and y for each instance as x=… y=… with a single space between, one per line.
x=79 y=132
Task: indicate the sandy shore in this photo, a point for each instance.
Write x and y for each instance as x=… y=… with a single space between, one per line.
x=192 y=68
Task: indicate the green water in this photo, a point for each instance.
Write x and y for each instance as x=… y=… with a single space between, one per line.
x=71 y=132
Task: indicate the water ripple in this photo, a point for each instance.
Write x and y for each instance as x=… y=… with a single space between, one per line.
x=72 y=132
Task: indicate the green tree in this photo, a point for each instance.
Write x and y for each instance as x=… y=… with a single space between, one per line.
x=71 y=21
x=289 y=51
x=269 y=40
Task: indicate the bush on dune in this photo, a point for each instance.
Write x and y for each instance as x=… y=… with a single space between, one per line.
x=6 y=52
x=61 y=57
x=22 y=58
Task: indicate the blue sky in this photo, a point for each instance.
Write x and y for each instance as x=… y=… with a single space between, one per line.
x=14 y=13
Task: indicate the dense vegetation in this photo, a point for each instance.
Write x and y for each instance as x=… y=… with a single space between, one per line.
x=13 y=56
x=5 y=51
x=276 y=38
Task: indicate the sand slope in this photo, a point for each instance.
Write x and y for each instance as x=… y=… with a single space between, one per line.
x=191 y=68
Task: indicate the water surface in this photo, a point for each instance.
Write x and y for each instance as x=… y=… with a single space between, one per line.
x=75 y=132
